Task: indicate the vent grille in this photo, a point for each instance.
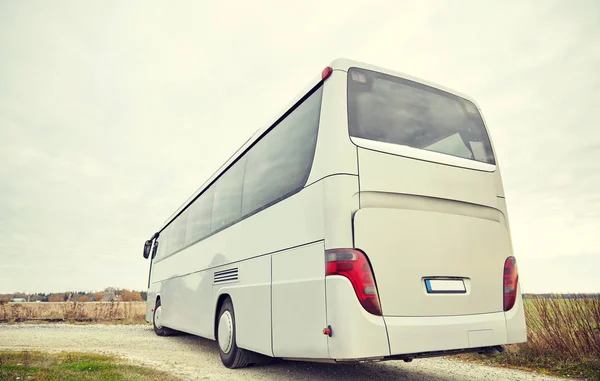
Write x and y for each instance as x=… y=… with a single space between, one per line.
x=225 y=276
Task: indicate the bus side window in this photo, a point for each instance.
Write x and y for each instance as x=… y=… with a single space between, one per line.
x=199 y=219
x=227 y=206
x=279 y=164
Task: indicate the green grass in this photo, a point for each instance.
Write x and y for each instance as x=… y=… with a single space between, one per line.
x=23 y=365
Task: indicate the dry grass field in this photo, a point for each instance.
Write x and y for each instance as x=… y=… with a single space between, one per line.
x=563 y=332
x=566 y=326
x=563 y=338
x=115 y=312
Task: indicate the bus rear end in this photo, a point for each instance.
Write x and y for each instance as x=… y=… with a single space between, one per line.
x=432 y=270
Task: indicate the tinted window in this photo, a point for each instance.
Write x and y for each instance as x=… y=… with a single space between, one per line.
x=280 y=162
x=275 y=167
x=172 y=238
x=160 y=253
x=227 y=206
x=177 y=236
x=398 y=111
x=163 y=240
x=199 y=219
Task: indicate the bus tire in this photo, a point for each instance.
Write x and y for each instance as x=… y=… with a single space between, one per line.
x=159 y=329
x=231 y=355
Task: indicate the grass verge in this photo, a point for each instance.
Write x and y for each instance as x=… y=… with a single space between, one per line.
x=563 y=338
x=24 y=365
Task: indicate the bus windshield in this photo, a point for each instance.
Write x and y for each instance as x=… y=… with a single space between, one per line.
x=399 y=111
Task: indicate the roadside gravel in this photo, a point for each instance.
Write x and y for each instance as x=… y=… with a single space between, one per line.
x=194 y=358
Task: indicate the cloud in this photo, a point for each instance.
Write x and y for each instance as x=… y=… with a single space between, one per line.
x=561 y=274
x=112 y=114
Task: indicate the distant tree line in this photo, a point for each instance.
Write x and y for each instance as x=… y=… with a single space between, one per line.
x=109 y=294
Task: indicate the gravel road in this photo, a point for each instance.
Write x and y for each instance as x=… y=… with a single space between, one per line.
x=194 y=358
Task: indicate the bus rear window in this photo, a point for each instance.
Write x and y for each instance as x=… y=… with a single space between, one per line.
x=398 y=111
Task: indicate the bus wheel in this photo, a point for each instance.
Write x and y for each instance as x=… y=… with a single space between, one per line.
x=157 y=321
x=232 y=356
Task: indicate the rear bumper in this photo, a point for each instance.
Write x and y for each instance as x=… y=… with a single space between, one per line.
x=405 y=357
x=427 y=334
x=408 y=357
x=360 y=336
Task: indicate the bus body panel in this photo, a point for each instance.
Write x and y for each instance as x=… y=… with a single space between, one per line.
x=340 y=203
x=356 y=334
x=335 y=153
x=151 y=301
x=501 y=206
x=191 y=272
x=299 y=314
x=498 y=177
x=425 y=334
x=251 y=297
x=516 y=327
x=406 y=247
x=184 y=300
x=295 y=222
x=423 y=178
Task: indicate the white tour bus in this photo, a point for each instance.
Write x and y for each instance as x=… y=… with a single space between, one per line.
x=367 y=222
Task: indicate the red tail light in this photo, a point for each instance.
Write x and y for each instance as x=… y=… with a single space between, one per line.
x=511 y=279
x=326 y=73
x=353 y=264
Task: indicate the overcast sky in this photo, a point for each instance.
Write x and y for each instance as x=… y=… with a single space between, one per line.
x=112 y=113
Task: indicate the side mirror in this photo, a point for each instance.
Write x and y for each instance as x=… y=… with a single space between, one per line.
x=147 y=247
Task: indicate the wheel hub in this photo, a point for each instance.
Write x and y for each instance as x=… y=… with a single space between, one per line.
x=225 y=332
x=157 y=317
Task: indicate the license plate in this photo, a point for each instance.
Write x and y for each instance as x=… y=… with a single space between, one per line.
x=445 y=286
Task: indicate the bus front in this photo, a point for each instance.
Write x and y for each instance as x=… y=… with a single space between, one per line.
x=431 y=224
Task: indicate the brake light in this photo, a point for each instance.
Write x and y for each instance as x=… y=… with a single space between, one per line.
x=353 y=264
x=511 y=279
x=326 y=73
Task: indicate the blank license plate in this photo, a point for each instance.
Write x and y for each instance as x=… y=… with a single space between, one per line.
x=445 y=286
